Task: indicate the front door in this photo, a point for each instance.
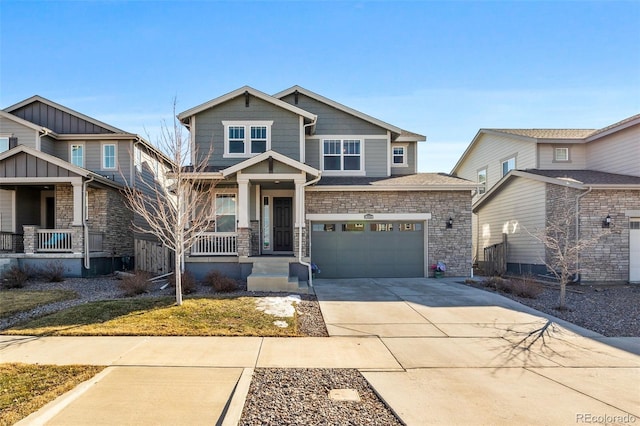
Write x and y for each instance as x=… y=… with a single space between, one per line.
x=282 y=224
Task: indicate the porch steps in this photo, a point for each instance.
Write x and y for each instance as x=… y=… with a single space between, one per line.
x=272 y=274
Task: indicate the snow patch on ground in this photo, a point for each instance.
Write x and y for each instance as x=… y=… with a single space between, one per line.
x=278 y=306
x=281 y=324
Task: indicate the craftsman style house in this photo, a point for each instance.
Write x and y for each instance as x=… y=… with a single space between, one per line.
x=61 y=176
x=302 y=179
x=525 y=172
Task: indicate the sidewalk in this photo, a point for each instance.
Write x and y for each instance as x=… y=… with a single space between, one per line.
x=437 y=353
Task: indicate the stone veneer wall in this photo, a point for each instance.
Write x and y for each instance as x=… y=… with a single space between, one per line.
x=109 y=214
x=452 y=246
x=608 y=260
x=64 y=206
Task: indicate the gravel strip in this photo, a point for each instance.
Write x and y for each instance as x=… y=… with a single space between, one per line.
x=611 y=310
x=301 y=397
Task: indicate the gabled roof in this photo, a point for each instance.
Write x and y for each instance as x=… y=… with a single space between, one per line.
x=551 y=135
x=184 y=116
x=265 y=156
x=348 y=110
x=37 y=98
x=58 y=162
x=24 y=122
x=577 y=179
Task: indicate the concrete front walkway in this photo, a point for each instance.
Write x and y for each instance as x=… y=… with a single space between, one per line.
x=436 y=351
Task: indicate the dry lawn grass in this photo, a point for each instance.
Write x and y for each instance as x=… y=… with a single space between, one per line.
x=26 y=388
x=13 y=301
x=160 y=317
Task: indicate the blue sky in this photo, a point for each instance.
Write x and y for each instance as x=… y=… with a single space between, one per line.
x=442 y=69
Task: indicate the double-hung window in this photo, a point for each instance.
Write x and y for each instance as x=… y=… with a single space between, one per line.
x=246 y=139
x=225 y=212
x=482 y=179
x=76 y=154
x=399 y=156
x=342 y=155
x=109 y=156
x=508 y=164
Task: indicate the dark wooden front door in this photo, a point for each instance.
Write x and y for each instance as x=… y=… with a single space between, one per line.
x=282 y=224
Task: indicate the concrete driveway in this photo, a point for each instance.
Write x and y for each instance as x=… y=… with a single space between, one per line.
x=469 y=356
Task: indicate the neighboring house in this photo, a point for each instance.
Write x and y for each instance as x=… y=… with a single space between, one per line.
x=61 y=176
x=523 y=172
x=303 y=179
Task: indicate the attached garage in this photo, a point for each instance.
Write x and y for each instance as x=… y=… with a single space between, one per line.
x=380 y=248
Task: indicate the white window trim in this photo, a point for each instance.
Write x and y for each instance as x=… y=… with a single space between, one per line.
x=555 y=157
x=84 y=153
x=405 y=154
x=507 y=159
x=103 y=157
x=483 y=189
x=342 y=138
x=8 y=138
x=214 y=210
x=247 y=137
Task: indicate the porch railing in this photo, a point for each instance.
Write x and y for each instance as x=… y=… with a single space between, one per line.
x=216 y=244
x=54 y=240
x=11 y=243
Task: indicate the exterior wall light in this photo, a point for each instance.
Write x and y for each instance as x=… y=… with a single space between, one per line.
x=450 y=223
x=606 y=222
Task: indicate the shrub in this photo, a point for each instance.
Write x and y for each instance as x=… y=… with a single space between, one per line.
x=220 y=282
x=133 y=285
x=53 y=272
x=14 y=277
x=527 y=287
x=189 y=283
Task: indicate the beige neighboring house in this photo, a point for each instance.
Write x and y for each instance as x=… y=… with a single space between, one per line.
x=61 y=180
x=524 y=172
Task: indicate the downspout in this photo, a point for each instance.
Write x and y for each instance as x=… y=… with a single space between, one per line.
x=301 y=206
x=578 y=197
x=85 y=227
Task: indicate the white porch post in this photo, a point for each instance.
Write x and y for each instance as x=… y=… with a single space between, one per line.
x=299 y=216
x=243 y=202
x=77 y=203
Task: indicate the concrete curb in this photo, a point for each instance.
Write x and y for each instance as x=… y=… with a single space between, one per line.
x=234 y=410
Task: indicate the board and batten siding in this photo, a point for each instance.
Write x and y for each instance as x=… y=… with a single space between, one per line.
x=57 y=120
x=577 y=157
x=25 y=135
x=518 y=209
x=332 y=121
x=490 y=151
x=285 y=131
x=616 y=153
x=376 y=156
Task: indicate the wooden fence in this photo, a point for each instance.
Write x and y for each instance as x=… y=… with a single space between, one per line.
x=495 y=258
x=153 y=257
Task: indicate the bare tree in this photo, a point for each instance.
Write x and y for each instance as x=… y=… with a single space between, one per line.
x=174 y=204
x=564 y=241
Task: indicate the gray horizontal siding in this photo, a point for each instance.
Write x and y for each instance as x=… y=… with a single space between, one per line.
x=49 y=145
x=375 y=157
x=411 y=167
x=285 y=131
x=312 y=153
x=25 y=135
x=332 y=121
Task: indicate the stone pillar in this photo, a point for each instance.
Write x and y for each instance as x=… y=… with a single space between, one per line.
x=77 y=239
x=254 y=248
x=30 y=238
x=243 y=243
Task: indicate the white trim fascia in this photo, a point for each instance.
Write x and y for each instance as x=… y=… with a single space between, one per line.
x=361 y=216
x=64 y=109
x=389 y=153
x=25 y=123
x=338 y=106
x=40 y=180
x=265 y=156
x=239 y=92
x=614 y=129
x=269 y=177
x=96 y=136
x=380 y=188
x=612 y=186
x=410 y=139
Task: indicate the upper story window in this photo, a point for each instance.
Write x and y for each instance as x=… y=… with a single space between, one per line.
x=399 y=156
x=508 y=164
x=341 y=155
x=4 y=143
x=561 y=154
x=109 y=156
x=482 y=178
x=76 y=154
x=246 y=139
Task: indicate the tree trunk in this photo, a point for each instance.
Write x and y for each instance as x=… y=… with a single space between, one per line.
x=178 y=273
x=563 y=292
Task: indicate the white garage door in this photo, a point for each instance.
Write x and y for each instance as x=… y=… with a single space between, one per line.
x=634 y=250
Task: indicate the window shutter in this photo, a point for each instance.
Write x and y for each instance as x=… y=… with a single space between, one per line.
x=13 y=142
